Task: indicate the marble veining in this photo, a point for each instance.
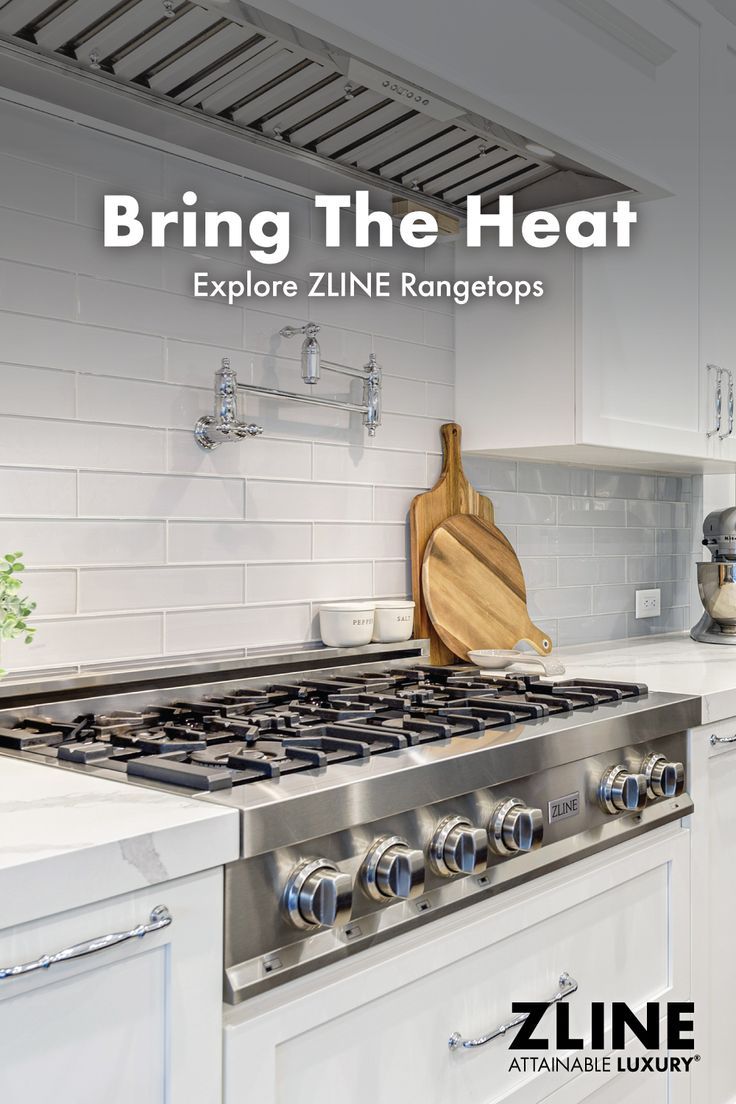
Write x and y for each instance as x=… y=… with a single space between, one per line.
x=672 y=663
x=68 y=839
x=141 y=853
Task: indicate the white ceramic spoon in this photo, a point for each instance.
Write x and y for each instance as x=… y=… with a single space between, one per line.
x=495 y=659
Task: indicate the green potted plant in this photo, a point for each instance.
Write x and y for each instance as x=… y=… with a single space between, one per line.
x=14 y=610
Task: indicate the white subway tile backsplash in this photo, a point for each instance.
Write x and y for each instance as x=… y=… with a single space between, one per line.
x=74 y=249
x=359 y=542
x=67 y=543
x=238 y=542
x=369 y=465
x=81 y=445
x=159 y=587
x=108 y=494
x=314 y=581
x=40 y=136
x=392 y=503
x=87 y=640
x=194 y=365
x=403 y=432
x=27 y=289
x=268 y=501
x=36 y=188
x=265 y=458
x=127 y=307
x=46 y=392
x=140 y=402
x=415 y=361
x=440 y=401
x=24 y=493
x=439 y=330
x=47 y=342
x=53 y=592
x=240 y=627
x=392 y=578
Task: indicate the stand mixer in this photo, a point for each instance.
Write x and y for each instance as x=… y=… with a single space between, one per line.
x=717 y=580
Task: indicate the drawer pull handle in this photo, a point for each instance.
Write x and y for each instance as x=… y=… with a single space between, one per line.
x=160 y=918
x=716 y=740
x=567 y=987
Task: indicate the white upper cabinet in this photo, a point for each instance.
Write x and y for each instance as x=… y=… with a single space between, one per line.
x=608 y=366
x=718 y=225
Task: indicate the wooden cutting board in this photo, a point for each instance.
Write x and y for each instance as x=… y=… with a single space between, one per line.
x=474 y=588
x=451 y=495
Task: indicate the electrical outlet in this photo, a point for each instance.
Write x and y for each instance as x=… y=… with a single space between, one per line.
x=648 y=603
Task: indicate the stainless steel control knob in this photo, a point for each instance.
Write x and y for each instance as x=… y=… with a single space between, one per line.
x=392 y=869
x=458 y=848
x=515 y=827
x=622 y=791
x=664 y=779
x=317 y=895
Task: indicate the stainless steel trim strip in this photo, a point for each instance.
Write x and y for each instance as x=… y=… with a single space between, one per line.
x=50 y=688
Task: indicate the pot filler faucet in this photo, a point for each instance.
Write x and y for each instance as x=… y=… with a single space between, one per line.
x=225 y=425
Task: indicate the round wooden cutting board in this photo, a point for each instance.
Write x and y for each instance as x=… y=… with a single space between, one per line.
x=474 y=588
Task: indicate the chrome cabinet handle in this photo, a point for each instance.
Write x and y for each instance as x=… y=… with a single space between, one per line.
x=730 y=403
x=160 y=918
x=567 y=986
x=715 y=740
x=719 y=400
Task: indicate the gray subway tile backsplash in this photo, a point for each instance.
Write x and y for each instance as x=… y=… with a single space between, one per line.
x=592 y=511
x=611 y=484
x=588 y=540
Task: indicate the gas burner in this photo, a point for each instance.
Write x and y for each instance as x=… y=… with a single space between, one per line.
x=220 y=740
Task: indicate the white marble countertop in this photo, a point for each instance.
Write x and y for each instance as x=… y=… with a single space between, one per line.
x=67 y=839
x=670 y=663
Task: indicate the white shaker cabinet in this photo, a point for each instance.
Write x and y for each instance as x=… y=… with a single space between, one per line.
x=376 y=1028
x=609 y=365
x=718 y=225
x=713 y=787
x=138 y=1022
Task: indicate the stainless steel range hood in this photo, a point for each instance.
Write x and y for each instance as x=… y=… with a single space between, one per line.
x=224 y=79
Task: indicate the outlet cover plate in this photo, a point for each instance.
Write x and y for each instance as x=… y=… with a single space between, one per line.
x=648 y=603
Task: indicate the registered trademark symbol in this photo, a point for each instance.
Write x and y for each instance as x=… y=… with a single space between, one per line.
x=697 y=1057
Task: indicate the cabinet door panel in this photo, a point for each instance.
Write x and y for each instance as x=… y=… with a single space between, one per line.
x=136 y=1023
x=99 y=1036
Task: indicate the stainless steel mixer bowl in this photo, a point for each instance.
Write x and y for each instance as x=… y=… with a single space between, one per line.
x=717 y=588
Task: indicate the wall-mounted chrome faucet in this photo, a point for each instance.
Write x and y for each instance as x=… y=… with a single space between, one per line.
x=225 y=425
